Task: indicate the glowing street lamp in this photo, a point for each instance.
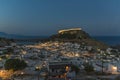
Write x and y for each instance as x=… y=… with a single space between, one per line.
x=114 y=68
x=77 y=55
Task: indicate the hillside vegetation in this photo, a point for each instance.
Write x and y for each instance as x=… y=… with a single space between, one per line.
x=4 y=42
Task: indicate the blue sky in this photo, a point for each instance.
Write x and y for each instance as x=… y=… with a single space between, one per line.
x=45 y=17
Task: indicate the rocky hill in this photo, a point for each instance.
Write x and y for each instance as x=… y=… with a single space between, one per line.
x=77 y=35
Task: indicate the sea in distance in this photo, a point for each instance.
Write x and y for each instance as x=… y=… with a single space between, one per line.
x=110 y=40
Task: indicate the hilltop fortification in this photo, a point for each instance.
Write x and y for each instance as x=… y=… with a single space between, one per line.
x=77 y=35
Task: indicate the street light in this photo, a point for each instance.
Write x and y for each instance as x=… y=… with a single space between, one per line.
x=114 y=68
x=37 y=68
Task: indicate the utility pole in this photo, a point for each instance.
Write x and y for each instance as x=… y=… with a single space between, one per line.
x=101 y=56
x=38 y=75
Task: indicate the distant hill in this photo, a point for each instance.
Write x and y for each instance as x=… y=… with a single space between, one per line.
x=78 y=35
x=15 y=36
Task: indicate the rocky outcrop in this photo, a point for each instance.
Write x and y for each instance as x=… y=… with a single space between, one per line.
x=79 y=36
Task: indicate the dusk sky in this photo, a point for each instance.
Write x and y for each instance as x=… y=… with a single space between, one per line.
x=45 y=17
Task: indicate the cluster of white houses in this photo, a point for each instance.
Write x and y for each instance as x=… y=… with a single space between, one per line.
x=55 y=59
x=77 y=55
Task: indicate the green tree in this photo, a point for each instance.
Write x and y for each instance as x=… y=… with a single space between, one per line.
x=75 y=68
x=8 y=51
x=11 y=50
x=88 y=67
x=15 y=64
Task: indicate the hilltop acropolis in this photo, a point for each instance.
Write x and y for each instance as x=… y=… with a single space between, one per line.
x=67 y=30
